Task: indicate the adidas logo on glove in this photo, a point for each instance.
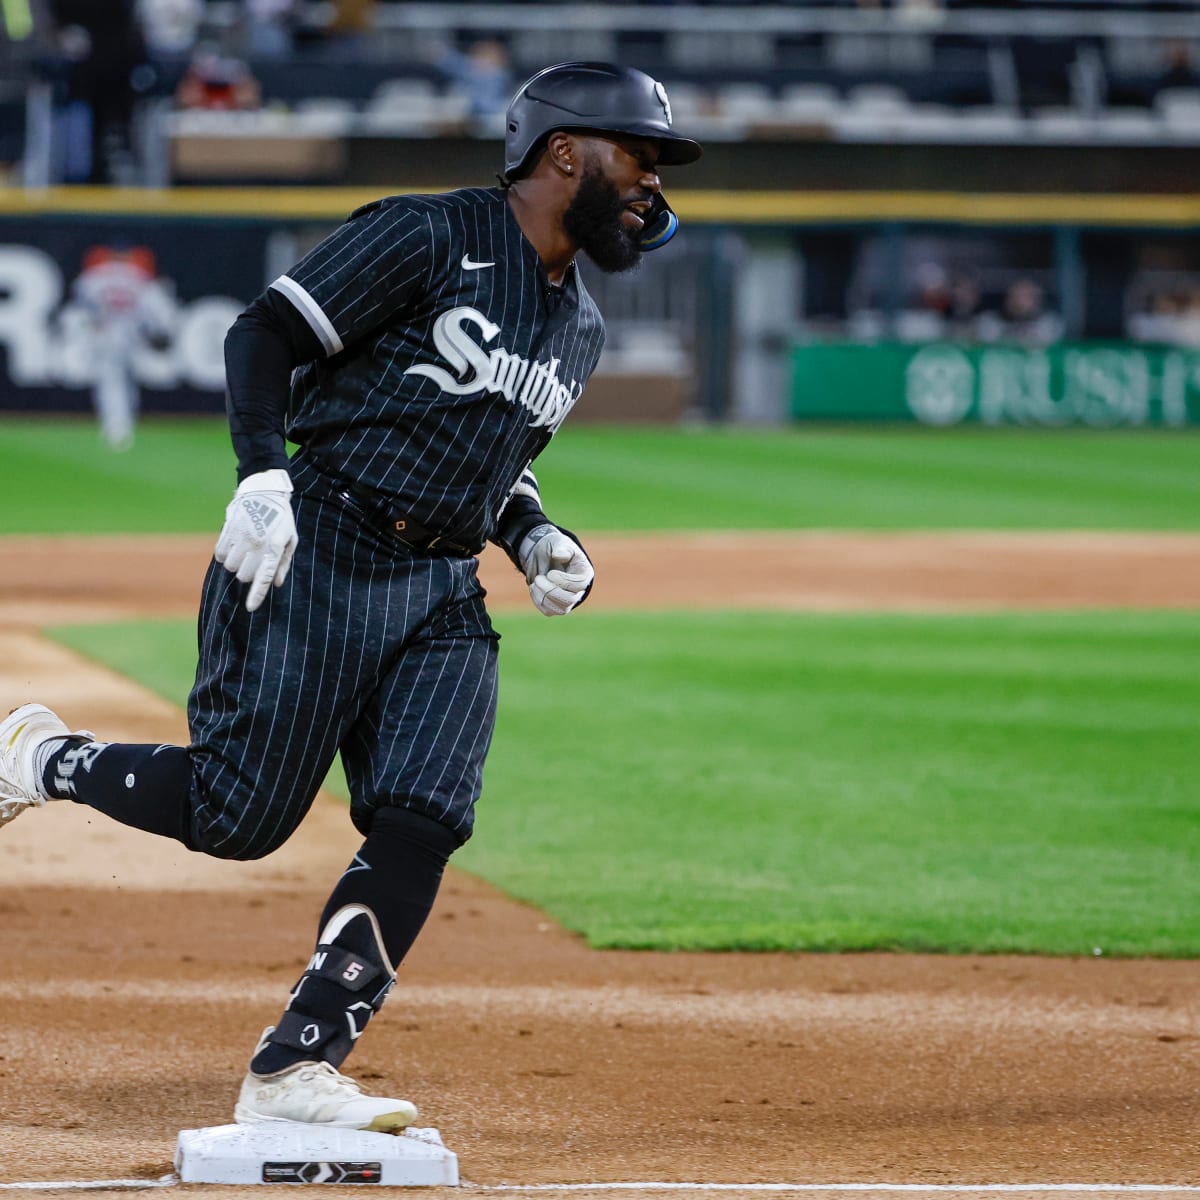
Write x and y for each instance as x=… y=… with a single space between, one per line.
x=261 y=514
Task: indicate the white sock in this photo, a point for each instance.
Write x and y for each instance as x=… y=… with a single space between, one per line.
x=41 y=760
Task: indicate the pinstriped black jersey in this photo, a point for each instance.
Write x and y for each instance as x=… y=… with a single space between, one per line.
x=450 y=360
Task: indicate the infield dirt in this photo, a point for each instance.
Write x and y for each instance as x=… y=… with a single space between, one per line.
x=137 y=976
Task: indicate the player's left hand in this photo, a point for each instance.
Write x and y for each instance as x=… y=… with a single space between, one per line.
x=557 y=570
x=259 y=537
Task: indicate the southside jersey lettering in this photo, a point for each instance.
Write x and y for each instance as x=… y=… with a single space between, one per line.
x=450 y=360
x=534 y=385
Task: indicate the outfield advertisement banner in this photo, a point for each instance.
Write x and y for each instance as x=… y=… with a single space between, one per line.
x=1103 y=385
x=124 y=304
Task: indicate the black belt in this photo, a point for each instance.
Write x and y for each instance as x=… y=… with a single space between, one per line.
x=377 y=513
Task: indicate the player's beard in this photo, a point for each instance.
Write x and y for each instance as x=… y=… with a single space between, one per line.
x=593 y=221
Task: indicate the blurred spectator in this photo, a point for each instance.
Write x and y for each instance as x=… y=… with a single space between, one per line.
x=1180 y=69
x=352 y=17
x=965 y=307
x=269 y=28
x=924 y=318
x=346 y=36
x=933 y=289
x=214 y=81
x=1171 y=316
x=483 y=75
x=1025 y=316
x=98 y=53
x=170 y=26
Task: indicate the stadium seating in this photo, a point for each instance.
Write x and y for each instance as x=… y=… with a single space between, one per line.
x=1113 y=73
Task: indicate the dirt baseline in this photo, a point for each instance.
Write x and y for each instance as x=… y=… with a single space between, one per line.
x=60 y=579
x=137 y=975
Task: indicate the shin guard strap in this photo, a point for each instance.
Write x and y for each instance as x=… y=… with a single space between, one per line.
x=354 y=972
x=344 y=985
x=303 y=1032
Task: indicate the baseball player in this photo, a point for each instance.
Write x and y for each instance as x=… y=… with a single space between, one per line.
x=126 y=305
x=420 y=357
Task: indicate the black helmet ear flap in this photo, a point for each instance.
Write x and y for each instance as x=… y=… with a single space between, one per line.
x=661 y=224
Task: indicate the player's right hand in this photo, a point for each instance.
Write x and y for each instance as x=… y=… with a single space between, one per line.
x=259 y=537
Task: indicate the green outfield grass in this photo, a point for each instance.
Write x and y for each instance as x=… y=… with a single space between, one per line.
x=767 y=781
x=58 y=477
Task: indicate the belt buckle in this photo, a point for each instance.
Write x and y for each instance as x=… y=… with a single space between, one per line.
x=400 y=526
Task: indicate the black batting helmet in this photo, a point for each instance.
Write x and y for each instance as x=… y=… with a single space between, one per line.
x=595 y=96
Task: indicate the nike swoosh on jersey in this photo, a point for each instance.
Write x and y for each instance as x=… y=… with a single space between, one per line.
x=468 y=265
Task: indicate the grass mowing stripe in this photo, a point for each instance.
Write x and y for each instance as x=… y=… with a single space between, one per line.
x=788 y=781
x=178 y=477
x=59 y=477
x=830 y=804
x=872 y=478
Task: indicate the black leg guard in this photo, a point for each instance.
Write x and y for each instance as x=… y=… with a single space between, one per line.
x=346 y=983
x=388 y=889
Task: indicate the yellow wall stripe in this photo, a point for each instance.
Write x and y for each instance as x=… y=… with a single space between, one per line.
x=752 y=207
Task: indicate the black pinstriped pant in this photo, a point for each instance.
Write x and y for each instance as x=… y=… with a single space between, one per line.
x=385 y=654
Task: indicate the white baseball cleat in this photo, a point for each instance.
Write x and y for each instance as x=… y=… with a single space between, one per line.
x=21 y=732
x=315 y=1093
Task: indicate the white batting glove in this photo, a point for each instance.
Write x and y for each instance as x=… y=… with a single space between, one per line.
x=259 y=537
x=556 y=568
